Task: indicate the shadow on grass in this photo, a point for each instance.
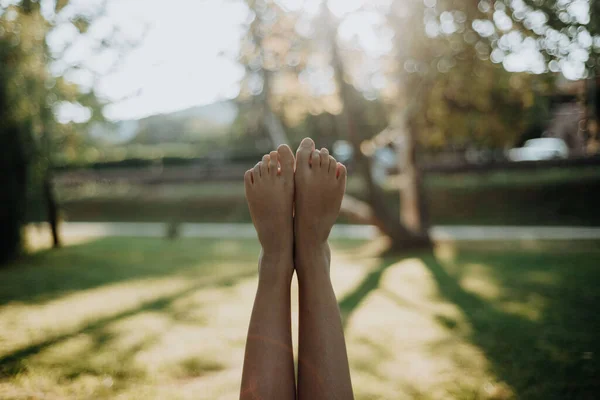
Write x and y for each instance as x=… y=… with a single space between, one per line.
x=553 y=355
x=203 y=264
x=47 y=274
x=13 y=363
x=353 y=299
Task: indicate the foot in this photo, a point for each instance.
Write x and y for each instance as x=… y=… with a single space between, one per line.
x=320 y=185
x=270 y=194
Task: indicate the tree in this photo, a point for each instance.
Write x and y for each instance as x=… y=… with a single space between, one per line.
x=451 y=76
x=30 y=99
x=264 y=51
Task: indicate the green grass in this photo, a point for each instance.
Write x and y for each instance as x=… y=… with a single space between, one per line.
x=555 y=196
x=512 y=178
x=158 y=319
x=235 y=189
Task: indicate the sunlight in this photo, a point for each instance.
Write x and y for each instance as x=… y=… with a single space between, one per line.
x=415 y=327
x=38 y=237
x=478 y=279
x=67 y=351
x=342 y=7
x=74 y=311
x=427 y=355
x=532 y=308
x=178 y=341
x=153 y=211
x=179 y=64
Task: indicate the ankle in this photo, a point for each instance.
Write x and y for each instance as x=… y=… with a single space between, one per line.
x=276 y=267
x=309 y=236
x=312 y=259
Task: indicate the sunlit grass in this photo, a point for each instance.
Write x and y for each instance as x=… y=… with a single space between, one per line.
x=158 y=319
x=557 y=196
x=235 y=189
x=112 y=316
x=512 y=178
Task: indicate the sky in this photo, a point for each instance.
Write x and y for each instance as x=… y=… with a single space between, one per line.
x=187 y=56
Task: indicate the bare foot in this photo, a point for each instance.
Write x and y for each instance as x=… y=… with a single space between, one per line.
x=320 y=185
x=270 y=194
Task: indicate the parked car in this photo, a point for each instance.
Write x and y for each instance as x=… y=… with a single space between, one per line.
x=540 y=149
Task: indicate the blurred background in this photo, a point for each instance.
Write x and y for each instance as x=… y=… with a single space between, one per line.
x=470 y=131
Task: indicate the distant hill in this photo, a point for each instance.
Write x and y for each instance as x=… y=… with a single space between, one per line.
x=183 y=126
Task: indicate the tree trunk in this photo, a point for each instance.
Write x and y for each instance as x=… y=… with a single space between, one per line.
x=13 y=195
x=51 y=209
x=401 y=236
x=413 y=209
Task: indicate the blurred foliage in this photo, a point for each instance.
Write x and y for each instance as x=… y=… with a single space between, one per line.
x=463 y=99
x=447 y=67
x=440 y=74
x=23 y=108
x=452 y=71
x=31 y=135
x=448 y=63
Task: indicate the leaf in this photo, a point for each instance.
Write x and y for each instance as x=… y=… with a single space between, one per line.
x=60 y=4
x=81 y=24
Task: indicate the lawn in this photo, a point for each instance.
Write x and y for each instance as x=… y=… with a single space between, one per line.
x=554 y=196
x=158 y=319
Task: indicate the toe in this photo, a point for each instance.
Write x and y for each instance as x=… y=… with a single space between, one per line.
x=332 y=165
x=264 y=165
x=256 y=172
x=286 y=160
x=315 y=159
x=303 y=154
x=341 y=180
x=248 y=180
x=324 y=158
x=341 y=172
x=273 y=159
x=248 y=183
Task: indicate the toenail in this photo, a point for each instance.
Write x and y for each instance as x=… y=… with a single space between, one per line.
x=306 y=142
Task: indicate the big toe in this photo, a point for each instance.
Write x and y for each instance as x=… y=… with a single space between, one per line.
x=307 y=146
x=286 y=160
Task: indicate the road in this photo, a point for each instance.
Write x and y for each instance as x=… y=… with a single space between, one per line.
x=227 y=230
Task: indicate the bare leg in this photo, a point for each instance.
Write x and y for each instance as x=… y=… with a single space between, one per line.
x=323 y=371
x=269 y=360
